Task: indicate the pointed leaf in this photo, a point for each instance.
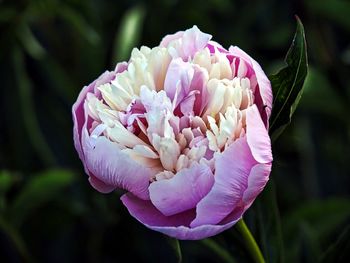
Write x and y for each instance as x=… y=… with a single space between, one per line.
x=41 y=189
x=128 y=34
x=338 y=251
x=27 y=107
x=287 y=84
x=224 y=255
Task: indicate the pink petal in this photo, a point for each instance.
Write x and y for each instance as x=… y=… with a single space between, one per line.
x=194 y=40
x=232 y=169
x=183 y=191
x=178 y=79
x=199 y=82
x=169 y=38
x=212 y=45
x=189 y=42
x=121 y=66
x=257 y=136
x=78 y=109
x=257 y=180
x=263 y=94
x=79 y=118
x=99 y=185
x=176 y=226
x=110 y=165
x=186 y=84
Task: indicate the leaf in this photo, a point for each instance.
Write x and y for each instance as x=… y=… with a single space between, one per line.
x=322 y=215
x=6 y=180
x=29 y=42
x=175 y=245
x=336 y=10
x=77 y=21
x=338 y=251
x=128 y=34
x=287 y=84
x=40 y=190
x=217 y=249
x=307 y=226
x=31 y=123
x=16 y=239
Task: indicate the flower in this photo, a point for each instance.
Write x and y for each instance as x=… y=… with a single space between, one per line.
x=181 y=127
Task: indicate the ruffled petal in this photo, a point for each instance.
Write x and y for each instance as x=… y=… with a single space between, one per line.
x=232 y=169
x=111 y=166
x=183 y=191
x=185 y=44
x=264 y=95
x=169 y=38
x=178 y=80
x=176 y=226
x=78 y=109
x=257 y=136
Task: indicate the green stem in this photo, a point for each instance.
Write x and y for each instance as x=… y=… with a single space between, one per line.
x=250 y=242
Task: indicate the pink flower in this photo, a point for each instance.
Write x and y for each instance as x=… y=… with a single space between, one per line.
x=181 y=127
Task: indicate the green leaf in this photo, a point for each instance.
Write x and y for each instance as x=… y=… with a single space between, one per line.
x=6 y=180
x=340 y=250
x=29 y=42
x=217 y=249
x=287 y=84
x=16 y=239
x=175 y=245
x=40 y=190
x=129 y=33
x=311 y=223
x=336 y=10
x=78 y=22
x=322 y=215
x=27 y=107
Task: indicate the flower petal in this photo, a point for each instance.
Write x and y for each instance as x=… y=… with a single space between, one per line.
x=110 y=165
x=177 y=225
x=264 y=95
x=232 y=168
x=78 y=109
x=186 y=43
x=183 y=191
x=257 y=136
x=259 y=175
x=99 y=185
x=178 y=80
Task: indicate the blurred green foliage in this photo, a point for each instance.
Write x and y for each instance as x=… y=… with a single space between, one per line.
x=50 y=49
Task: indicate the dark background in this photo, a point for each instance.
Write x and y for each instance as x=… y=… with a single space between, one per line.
x=50 y=49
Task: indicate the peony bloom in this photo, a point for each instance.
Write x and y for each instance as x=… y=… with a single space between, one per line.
x=182 y=128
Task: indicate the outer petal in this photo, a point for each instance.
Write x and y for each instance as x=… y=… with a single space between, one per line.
x=183 y=191
x=257 y=136
x=114 y=168
x=232 y=169
x=99 y=185
x=176 y=225
x=78 y=109
x=257 y=180
x=265 y=91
